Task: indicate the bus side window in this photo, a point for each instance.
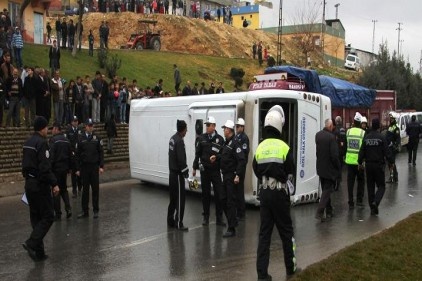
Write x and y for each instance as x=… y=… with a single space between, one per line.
x=199 y=125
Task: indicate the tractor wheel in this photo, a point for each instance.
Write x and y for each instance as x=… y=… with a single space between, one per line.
x=155 y=44
x=139 y=46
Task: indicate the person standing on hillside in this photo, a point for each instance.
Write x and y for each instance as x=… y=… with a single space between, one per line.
x=328 y=168
x=54 y=56
x=91 y=43
x=177 y=78
x=58 y=28
x=63 y=27
x=260 y=61
x=17 y=45
x=254 y=50
x=48 y=27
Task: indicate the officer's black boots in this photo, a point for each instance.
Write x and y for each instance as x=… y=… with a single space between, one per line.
x=220 y=222
x=268 y=278
x=231 y=232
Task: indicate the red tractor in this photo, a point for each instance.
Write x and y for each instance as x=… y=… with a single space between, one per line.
x=146 y=38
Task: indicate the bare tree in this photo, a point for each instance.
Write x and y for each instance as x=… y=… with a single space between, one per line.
x=306 y=35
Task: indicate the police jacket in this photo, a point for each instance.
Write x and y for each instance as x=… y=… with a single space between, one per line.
x=243 y=140
x=60 y=153
x=177 y=155
x=273 y=158
x=72 y=135
x=206 y=146
x=232 y=158
x=374 y=149
x=36 y=160
x=393 y=135
x=340 y=134
x=413 y=130
x=327 y=159
x=354 y=137
x=89 y=150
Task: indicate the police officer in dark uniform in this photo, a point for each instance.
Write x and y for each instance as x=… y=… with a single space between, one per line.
x=243 y=140
x=90 y=161
x=61 y=163
x=178 y=172
x=207 y=145
x=340 y=134
x=72 y=134
x=232 y=163
x=374 y=152
x=413 y=130
x=39 y=178
x=393 y=142
x=273 y=166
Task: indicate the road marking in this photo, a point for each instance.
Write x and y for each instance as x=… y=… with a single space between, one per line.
x=146 y=240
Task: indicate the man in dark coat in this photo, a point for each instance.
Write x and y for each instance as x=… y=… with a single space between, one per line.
x=413 y=130
x=328 y=167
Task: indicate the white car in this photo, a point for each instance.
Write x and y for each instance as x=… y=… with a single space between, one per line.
x=352 y=62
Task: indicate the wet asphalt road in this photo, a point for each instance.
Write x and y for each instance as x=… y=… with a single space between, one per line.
x=131 y=241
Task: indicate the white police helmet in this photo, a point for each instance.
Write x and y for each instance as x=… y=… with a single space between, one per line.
x=210 y=120
x=393 y=115
x=240 y=121
x=364 y=120
x=229 y=124
x=358 y=117
x=275 y=118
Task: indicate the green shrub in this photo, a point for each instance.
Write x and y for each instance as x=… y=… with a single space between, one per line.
x=102 y=57
x=112 y=64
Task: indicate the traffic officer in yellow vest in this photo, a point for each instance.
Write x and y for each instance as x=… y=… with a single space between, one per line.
x=393 y=142
x=354 y=138
x=273 y=166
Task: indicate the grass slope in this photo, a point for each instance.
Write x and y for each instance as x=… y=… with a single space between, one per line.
x=394 y=254
x=148 y=66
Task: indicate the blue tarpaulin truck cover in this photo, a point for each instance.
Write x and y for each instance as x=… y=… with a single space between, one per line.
x=346 y=94
x=310 y=77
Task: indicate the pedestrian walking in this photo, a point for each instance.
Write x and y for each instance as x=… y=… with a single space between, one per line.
x=110 y=128
x=354 y=137
x=39 y=178
x=72 y=135
x=243 y=140
x=232 y=164
x=90 y=161
x=374 y=152
x=177 y=78
x=413 y=130
x=61 y=164
x=209 y=144
x=328 y=168
x=393 y=142
x=179 y=171
x=273 y=166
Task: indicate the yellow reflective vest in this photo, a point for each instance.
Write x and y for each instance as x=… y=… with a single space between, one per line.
x=271 y=150
x=354 y=137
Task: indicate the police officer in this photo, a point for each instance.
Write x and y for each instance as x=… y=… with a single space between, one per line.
x=413 y=130
x=374 y=152
x=393 y=142
x=72 y=134
x=39 y=178
x=232 y=163
x=61 y=163
x=207 y=145
x=90 y=163
x=243 y=140
x=273 y=166
x=340 y=134
x=178 y=172
x=354 y=138
x=364 y=123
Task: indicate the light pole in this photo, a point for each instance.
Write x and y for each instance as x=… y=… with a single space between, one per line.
x=336 y=6
x=323 y=29
x=279 y=32
x=398 y=41
x=373 y=35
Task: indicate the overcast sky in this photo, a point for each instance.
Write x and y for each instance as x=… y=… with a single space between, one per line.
x=357 y=16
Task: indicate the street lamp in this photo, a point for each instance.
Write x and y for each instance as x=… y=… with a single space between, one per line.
x=336 y=6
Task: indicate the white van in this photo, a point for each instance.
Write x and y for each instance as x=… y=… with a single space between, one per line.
x=352 y=62
x=153 y=122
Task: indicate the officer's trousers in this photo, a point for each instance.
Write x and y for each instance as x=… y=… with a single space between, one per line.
x=392 y=164
x=375 y=174
x=228 y=199
x=41 y=213
x=214 y=177
x=62 y=183
x=352 y=173
x=240 y=197
x=76 y=182
x=275 y=209
x=412 y=149
x=90 y=178
x=176 y=209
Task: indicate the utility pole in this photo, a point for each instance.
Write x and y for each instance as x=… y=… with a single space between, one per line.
x=398 y=41
x=323 y=29
x=373 y=35
x=336 y=6
x=420 y=64
x=279 y=32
